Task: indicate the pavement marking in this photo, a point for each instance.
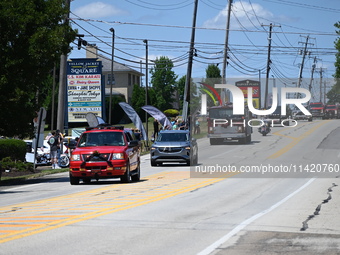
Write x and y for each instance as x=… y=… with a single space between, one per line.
x=56 y=212
x=295 y=141
x=248 y=221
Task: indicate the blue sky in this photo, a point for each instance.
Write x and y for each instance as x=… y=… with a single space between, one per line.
x=167 y=27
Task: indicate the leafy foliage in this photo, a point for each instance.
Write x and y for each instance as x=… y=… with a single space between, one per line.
x=33 y=36
x=171 y=113
x=163 y=82
x=13 y=148
x=334 y=94
x=138 y=100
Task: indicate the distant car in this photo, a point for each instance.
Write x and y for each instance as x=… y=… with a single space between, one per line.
x=277 y=118
x=301 y=116
x=106 y=152
x=174 y=146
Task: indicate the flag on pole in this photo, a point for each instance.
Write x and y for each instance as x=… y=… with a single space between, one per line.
x=158 y=115
x=132 y=114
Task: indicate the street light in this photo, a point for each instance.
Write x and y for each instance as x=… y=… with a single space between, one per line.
x=111 y=81
x=146 y=89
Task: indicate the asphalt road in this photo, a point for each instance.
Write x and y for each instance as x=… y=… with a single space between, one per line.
x=285 y=201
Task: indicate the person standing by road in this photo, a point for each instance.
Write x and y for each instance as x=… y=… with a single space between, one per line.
x=60 y=138
x=53 y=142
x=156 y=128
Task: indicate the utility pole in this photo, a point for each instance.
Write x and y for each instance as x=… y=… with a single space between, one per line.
x=62 y=81
x=324 y=92
x=53 y=97
x=303 y=62
x=111 y=82
x=186 y=98
x=146 y=89
x=225 y=54
x=268 y=62
x=311 y=78
x=321 y=71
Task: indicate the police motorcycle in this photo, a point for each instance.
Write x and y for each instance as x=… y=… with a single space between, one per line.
x=264 y=129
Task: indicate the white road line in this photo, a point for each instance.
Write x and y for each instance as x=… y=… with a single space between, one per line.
x=22 y=187
x=224 y=153
x=245 y=223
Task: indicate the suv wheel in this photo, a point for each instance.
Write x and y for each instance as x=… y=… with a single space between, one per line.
x=153 y=163
x=126 y=177
x=136 y=176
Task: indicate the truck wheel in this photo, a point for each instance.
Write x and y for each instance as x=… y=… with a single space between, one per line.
x=215 y=141
x=126 y=178
x=153 y=163
x=74 y=180
x=136 y=176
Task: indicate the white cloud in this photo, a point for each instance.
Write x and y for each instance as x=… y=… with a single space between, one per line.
x=246 y=14
x=98 y=10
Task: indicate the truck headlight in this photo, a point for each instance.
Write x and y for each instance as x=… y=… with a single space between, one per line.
x=75 y=157
x=117 y=156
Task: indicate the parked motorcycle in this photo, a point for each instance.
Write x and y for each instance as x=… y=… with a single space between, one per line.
x=264 y=129
x=43 y=156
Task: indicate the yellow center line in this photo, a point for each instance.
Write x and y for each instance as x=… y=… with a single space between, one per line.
x=295 y=141
x=179 y=182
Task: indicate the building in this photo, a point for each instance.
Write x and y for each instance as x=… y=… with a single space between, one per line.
x=124 y=77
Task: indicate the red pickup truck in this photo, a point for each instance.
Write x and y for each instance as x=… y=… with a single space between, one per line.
x=106 y=152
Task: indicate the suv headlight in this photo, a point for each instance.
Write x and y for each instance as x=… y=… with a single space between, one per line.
x=75 y=157
x=117 y=156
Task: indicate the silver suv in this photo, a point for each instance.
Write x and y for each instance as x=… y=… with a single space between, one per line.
x=174 y=146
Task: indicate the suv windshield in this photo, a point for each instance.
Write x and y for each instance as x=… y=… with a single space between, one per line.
x=102 y=139
x=173 y=137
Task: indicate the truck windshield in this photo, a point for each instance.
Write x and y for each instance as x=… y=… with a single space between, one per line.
x=316 y=105
x=223 y=113
x=102 y=139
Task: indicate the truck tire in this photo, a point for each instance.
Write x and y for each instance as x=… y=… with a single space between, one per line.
x=74 y=180
x=215 y=141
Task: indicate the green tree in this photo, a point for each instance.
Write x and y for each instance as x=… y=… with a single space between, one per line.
x=213 y=76
x=334 y=94
x=33 y=36
x=180 y=89
x=213 y=71
x=138 y=100
x=163 y=81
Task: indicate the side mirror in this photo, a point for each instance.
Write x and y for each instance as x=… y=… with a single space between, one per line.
x=133 y=143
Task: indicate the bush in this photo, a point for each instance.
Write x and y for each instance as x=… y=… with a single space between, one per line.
x=15 y=165
x=171 y=113
x=15 y=149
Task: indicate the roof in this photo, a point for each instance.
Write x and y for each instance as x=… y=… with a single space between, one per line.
x=117 y=67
